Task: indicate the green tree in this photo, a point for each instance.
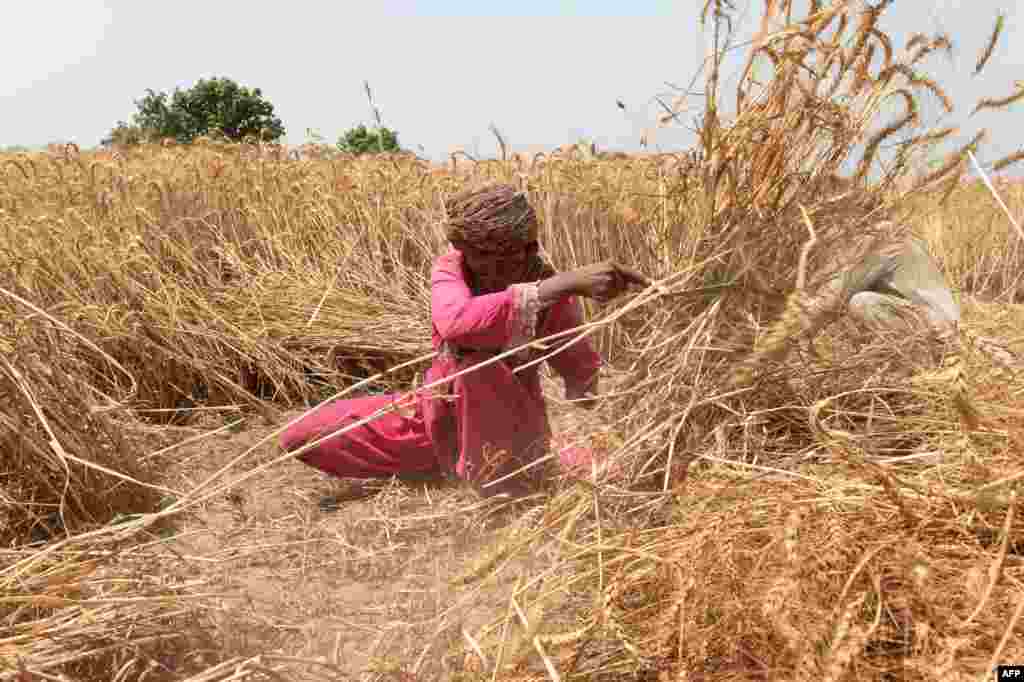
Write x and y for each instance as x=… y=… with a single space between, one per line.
x=126 y=134
x=363 y=140
x=218 y=106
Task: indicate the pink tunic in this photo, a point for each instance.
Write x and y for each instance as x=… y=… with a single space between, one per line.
x=491 y=422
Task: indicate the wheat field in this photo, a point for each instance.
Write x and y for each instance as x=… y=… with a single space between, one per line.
x=801 y=502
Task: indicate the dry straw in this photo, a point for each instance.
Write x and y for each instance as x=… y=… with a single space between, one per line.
x=770 y=404
x=801 y=499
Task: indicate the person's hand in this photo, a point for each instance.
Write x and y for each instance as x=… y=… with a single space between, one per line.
x=600 y=281
x=605 y=281
x=583 y=396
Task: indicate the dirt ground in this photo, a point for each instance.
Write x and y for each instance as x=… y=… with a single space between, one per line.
x=364 y=589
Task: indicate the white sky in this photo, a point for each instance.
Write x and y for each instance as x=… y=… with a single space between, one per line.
x=545 y=72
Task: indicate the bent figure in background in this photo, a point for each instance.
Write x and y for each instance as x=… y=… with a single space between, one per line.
x=491 y=293
x=895 y=290
x=897 y=285
x=899 y=290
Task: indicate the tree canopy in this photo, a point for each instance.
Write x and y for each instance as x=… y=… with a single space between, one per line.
x=217 y=106
x=362 y=140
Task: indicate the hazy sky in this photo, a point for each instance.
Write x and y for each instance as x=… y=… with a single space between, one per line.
x=545 y=73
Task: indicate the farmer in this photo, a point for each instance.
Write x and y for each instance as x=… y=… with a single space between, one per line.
x=490 y=293
x=899 y=291
x=899 y=288
x=894 y=291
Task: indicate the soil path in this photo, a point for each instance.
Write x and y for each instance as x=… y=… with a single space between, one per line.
x=366 y=588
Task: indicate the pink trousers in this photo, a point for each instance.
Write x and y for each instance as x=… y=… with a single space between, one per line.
x=394 y=444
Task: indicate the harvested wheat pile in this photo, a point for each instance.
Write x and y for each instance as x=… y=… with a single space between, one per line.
x=67 y=463
x=68 y=612
x=819 y=503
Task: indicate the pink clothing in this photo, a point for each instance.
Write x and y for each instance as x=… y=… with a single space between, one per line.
x=489 y=410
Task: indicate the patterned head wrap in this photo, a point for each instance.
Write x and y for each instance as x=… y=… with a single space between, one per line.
x=495 y=219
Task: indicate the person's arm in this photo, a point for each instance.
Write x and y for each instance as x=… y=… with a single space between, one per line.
x=492 y=321
x=556 y=288
x=916 y=277
x=489 y=321
x=600 y=281
x=578 y=364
